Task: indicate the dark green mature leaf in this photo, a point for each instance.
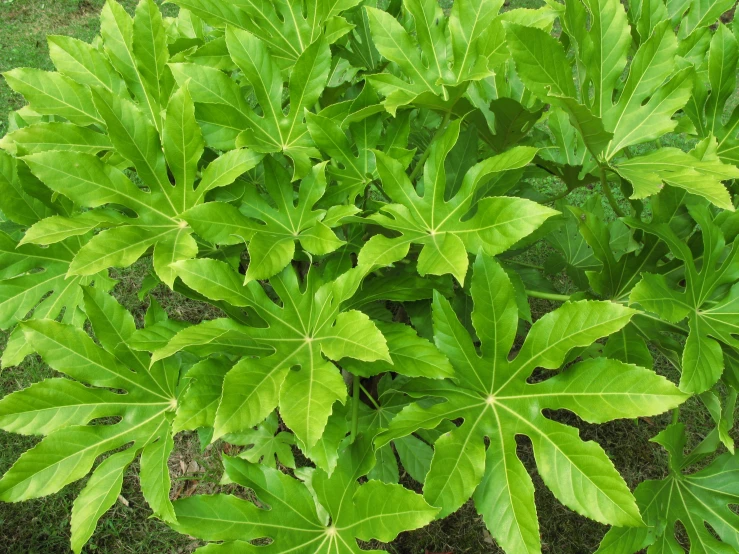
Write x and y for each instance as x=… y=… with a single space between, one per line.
x=492 y=396
x=704 y=299
x=694 y=500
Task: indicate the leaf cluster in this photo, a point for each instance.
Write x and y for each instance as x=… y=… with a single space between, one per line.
x=375 y=196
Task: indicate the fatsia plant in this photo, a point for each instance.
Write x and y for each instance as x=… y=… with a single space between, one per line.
x=379 y=202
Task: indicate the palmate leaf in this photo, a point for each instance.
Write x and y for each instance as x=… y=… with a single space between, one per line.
x=704 y=300
x=696 y=500
x=287 y=27
x=62 y=409
x=323 y=515
x=445 y=227
x=578 y=256
x=446 y=52
x=155 y=134
x=492 y=396
x=273 y=231
x=32 y=277
x=309 y=325
x=274 y=131
x=706 y=109
x=134 y=59
x=619 y=114
x=699 y=172
x=266 y=443
x=90 y=182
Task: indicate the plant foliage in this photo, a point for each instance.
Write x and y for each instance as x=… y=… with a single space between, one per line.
x=363 y=191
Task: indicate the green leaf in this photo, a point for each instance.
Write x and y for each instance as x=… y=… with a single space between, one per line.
x=54 y=94
x=274 y=131
x=696 y=500
x=308 y=325
x=373 y=510
x=63 y=409
x=429 y=219
x=444 y=52
x=492 y=396
x=84 y=64
x=704 y=300
x=117 y=31
x=266 y=444
x=543 y=67
x=272 y=229
x=99 y=494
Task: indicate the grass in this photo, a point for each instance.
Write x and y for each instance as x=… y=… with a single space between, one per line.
x=42 y=526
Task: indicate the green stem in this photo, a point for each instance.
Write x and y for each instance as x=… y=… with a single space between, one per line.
x=366 y=392
x=525 y=264
x=419 y=166
x=379 y=188
x=609 y=193
x=557 y=196
x=675 y=415
x=548 y=295
x=355 y=407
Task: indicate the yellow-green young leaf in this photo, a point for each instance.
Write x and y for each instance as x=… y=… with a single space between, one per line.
x=274 y=131
x=220 y=107
x=410 y=355
x=699 y=175
x=16 y=203
x=428 y=219
x=443 y=53
x=271 y=228
x=352 y=175
x=91 y=182
x=151 y=55
x=490 y=393
x=327 y=514
x=288 y=29
x=56 y=228
x=154 y=476
x=63 y=409
x=41 y=137
x=117 y=31
x=35 y=278
x=182 y=141
x=266 y=444
x=197 y=406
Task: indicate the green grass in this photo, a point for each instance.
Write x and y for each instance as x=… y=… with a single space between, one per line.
x=42 y=526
